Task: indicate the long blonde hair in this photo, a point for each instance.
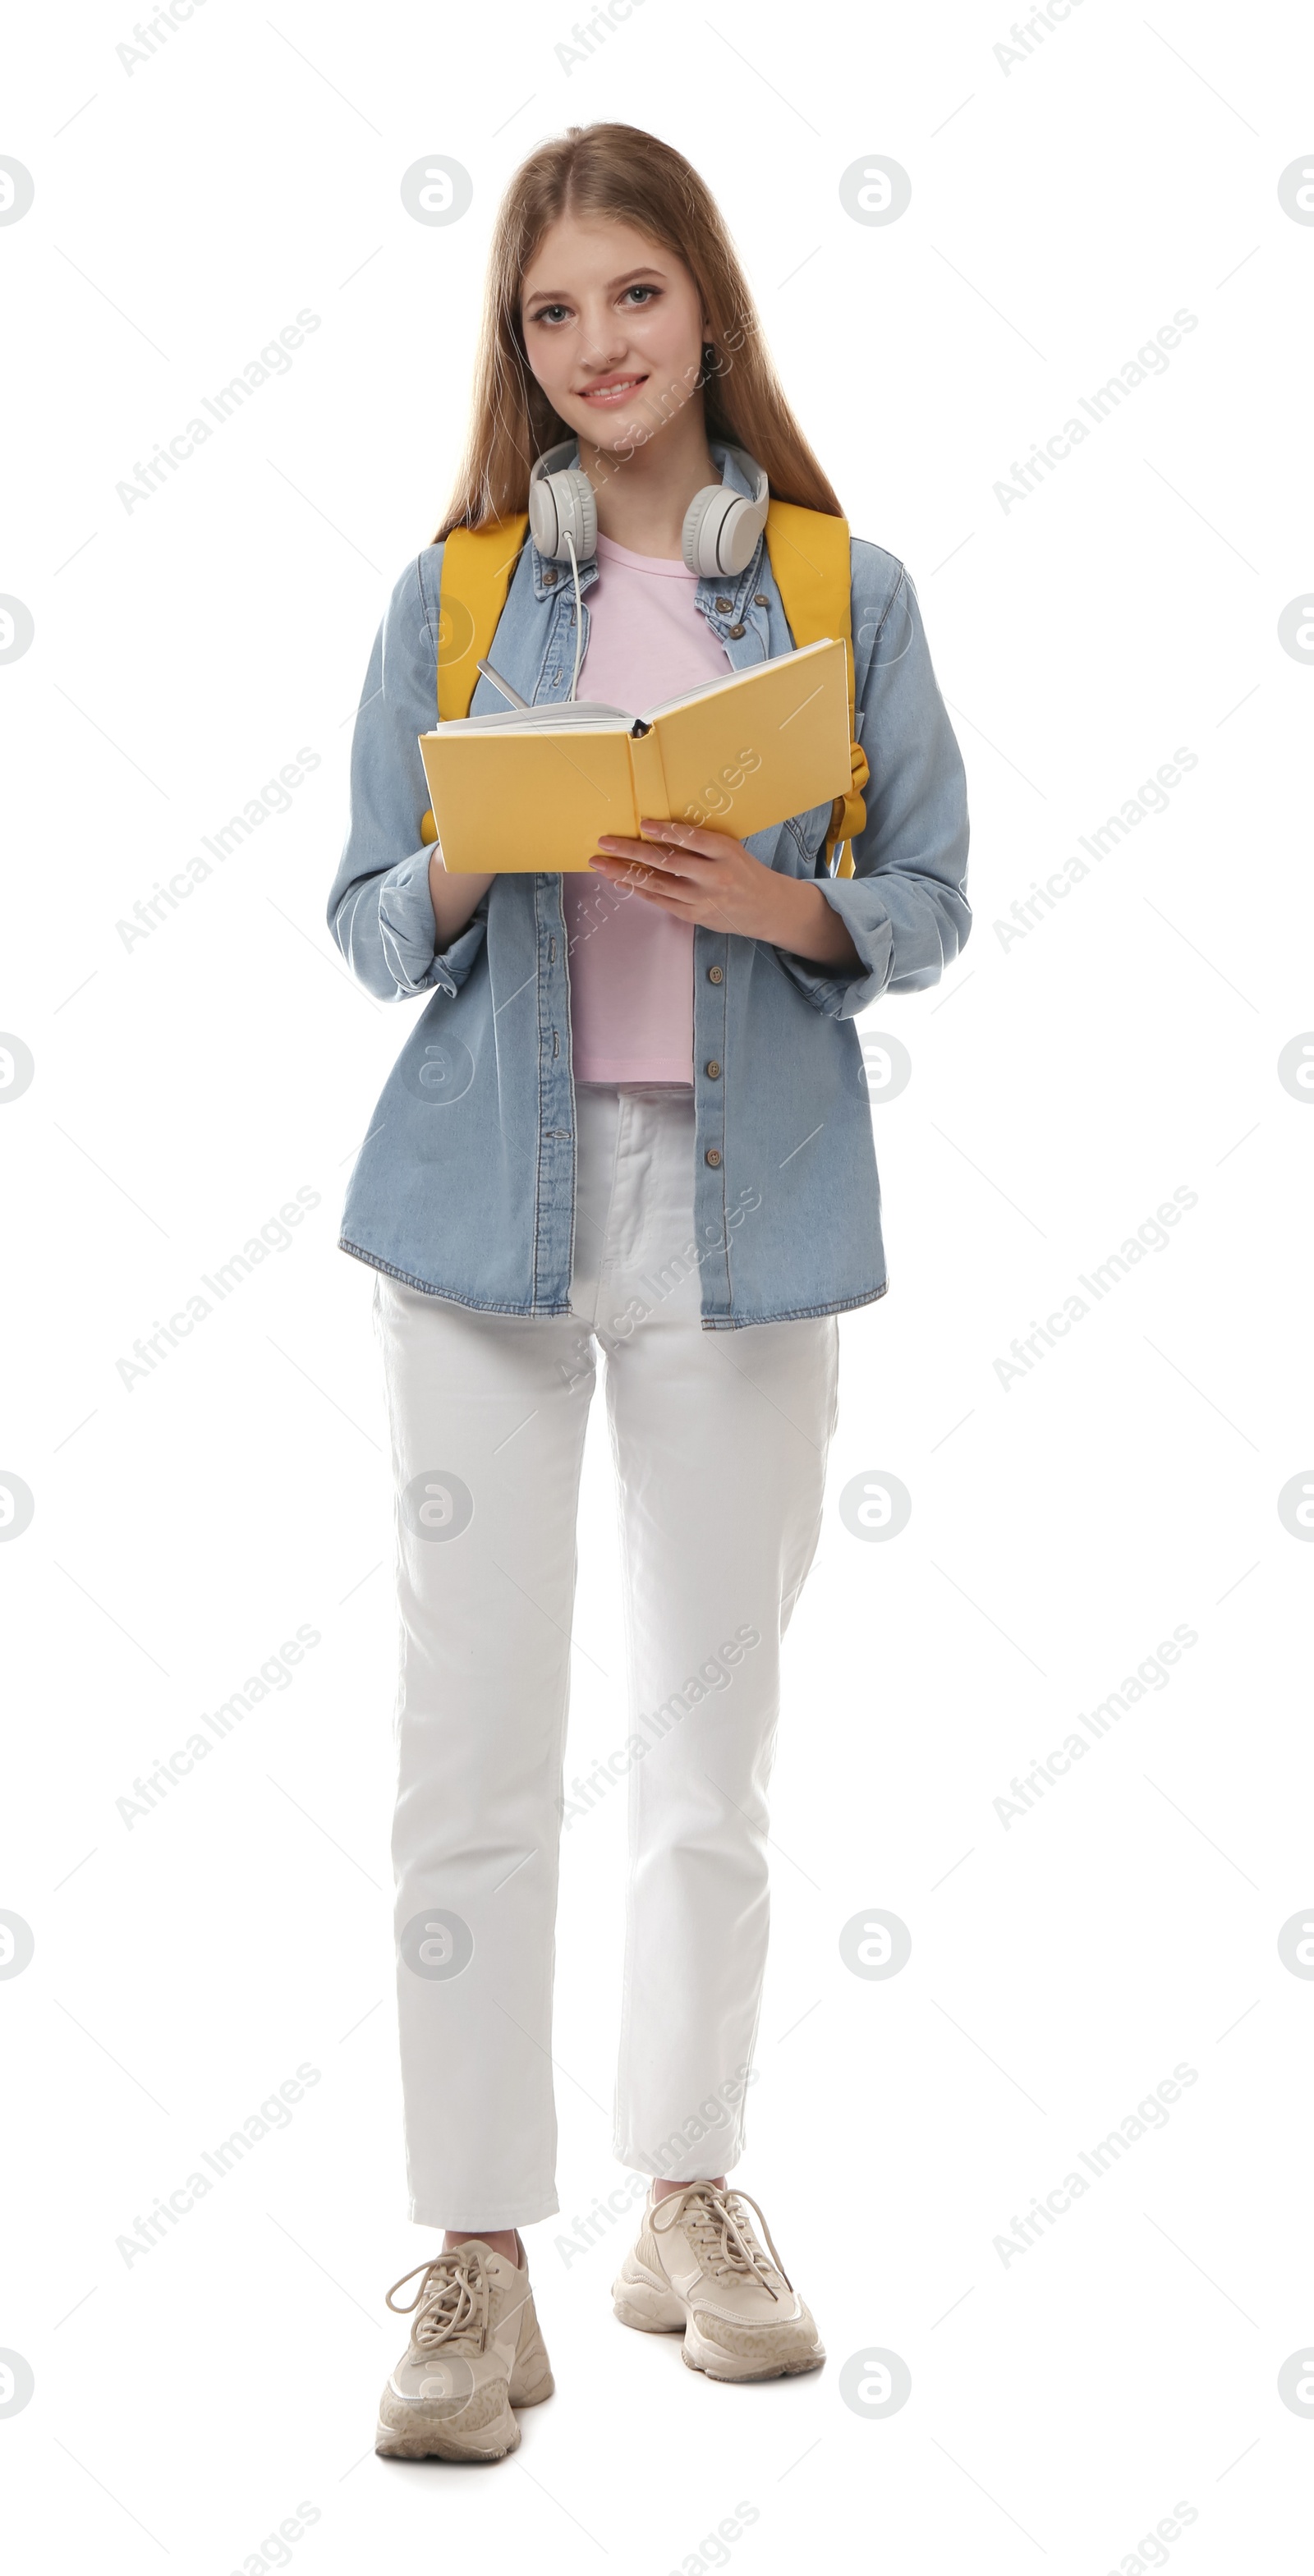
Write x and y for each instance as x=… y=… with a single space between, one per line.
x=633 y=177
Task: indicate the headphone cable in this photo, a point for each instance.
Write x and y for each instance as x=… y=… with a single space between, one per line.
x=579 y=618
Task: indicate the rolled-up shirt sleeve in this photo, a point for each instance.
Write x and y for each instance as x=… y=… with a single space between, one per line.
x=905 y=906
x=379 y=909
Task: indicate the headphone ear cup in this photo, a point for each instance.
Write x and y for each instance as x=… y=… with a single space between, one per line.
x=542 y=515
x=563 y=505
x=720 y=531
x=693 y=545
x=578 y=512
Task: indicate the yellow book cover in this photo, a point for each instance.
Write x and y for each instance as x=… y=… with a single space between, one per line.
x=533 y=788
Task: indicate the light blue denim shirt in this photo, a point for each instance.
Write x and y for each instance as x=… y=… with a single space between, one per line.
x=465 y=1184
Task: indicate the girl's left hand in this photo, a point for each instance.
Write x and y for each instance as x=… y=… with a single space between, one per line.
x=697 y=876
x=710 y=878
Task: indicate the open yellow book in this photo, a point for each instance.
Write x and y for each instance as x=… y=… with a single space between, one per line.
x=533 y=788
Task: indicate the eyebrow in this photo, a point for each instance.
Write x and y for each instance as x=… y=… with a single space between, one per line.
x=559 y=295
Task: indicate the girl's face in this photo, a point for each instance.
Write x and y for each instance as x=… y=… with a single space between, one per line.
x=614 y=330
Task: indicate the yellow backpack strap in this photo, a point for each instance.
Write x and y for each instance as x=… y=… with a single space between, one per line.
x=809 y=554
x=476 y=576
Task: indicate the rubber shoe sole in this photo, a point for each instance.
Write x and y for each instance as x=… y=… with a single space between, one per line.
x=423 y=2433
x=653 y=2308
x=430 y=2441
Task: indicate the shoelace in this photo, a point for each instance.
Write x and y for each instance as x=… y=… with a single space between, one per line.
x=722 y=2236
x=452 y=2300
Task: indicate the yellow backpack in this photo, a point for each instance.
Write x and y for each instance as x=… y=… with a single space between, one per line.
x=809 y=554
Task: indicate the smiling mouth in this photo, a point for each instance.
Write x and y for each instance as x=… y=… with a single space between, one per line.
x=613 y=391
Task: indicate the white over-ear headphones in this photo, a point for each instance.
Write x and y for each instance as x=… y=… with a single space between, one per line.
x=720 y=529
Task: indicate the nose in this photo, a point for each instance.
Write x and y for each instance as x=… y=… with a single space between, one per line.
x=603 y=341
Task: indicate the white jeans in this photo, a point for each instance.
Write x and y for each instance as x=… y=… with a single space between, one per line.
x=719 y=1441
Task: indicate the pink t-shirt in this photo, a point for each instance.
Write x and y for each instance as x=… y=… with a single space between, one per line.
x=631 y=966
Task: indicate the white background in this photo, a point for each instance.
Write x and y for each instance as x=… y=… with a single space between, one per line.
x=1062 y=2403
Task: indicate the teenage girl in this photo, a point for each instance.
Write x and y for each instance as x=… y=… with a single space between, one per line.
x=632 y=1118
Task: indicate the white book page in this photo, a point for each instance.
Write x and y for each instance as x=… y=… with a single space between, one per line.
x=588 y=712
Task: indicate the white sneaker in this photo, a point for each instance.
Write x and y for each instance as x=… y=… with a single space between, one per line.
x=698 y=2267
x=475 y=2351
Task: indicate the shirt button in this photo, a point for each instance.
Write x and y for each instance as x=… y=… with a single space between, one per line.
x=760 y=599
x=715 y=975
x=711 y=1156
x=738 y=630
x=550 y=578
x=724 y=606
x=714 y=1070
